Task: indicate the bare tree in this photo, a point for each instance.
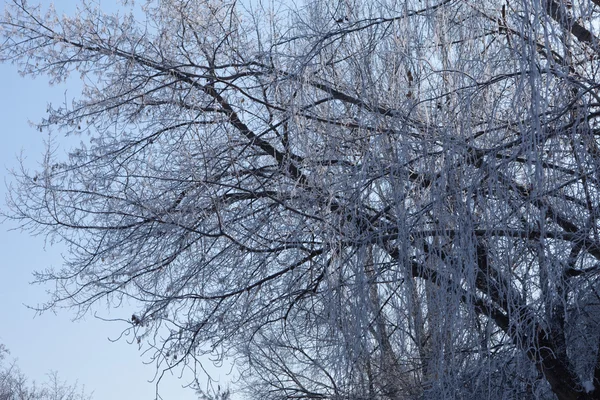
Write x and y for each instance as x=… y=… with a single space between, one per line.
x=15 y=386
x=383 y=199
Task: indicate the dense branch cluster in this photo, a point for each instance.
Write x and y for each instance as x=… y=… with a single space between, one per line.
x=395 y=199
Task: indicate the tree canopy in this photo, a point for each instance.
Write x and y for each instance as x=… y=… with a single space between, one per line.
x=14 y=384
x=388 y=199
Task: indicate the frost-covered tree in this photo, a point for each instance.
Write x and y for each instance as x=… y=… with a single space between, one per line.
x=15 y=386
x=388 y=199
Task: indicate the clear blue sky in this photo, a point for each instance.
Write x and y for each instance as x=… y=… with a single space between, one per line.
x=78 y=351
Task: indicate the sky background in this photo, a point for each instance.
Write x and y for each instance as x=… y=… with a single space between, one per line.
x=78 y=350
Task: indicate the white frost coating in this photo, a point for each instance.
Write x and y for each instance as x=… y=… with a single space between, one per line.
x=384 y=201
x=588 y=386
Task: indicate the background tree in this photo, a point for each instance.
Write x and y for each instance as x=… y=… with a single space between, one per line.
x=389 y=199
x=14 y=385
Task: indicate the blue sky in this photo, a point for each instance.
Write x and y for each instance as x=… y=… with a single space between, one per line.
x=78 y=350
